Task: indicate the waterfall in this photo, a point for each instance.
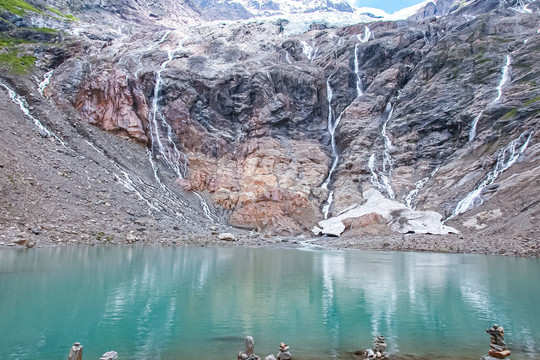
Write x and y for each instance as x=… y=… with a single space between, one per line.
x=387 y=159
x=417 y=187
x=159 y=128
x=504 y=79
x=23 y=105
x=472 y=132
x=359 y=91
x=333 y=123
x=175 y=159
x=507 y=157
x=307 y=50
x=381 y=179
x=46 y=79
x=367 y=35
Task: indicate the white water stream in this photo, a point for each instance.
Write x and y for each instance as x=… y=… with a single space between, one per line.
x=381 y=178
x=507 y=156
x=23 y=105
x=46 y=79
x=367 y=36
x=159 y=128
x=505 y=71
x=161 y=134
x=334 y=121
x=417 y=187
x=307 y=50
x=504 y=78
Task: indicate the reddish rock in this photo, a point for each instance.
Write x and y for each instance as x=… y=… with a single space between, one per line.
x=499 y=354
x=364 y=221
x=184 y=184
x=107 y=100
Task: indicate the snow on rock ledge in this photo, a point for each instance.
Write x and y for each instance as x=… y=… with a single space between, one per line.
x=400 y=218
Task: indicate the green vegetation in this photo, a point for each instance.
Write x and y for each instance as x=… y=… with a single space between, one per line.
x=12 y=62
x=532 y=101
x=18 y=7
x=510 y=114
x=21 y=7
x=45 y=30
x=61 y=14
x=6 y=40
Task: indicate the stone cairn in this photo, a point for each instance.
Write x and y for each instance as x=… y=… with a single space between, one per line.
x=497 y=344
x=284 y=353
x=378 y=351
x=76 y=352
x=249 y=352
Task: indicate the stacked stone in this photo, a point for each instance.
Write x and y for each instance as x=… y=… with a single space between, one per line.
x=249 y=352
x=284 y=353
x=497 y=344
x=378 y=351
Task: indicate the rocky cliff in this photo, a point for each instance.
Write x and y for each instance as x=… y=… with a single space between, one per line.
x=380 y=127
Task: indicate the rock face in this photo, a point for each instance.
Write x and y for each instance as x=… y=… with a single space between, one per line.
x=428 y=118
x=110 y=102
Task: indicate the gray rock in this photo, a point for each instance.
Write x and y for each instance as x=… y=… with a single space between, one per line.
x=109 y=355
x=227 y=237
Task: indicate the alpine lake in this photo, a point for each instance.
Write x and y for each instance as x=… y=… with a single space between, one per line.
x=200 y=303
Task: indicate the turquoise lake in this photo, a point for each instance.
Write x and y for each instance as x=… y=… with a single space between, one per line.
x=199 y=303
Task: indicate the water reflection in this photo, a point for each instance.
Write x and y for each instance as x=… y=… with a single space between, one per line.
x=168 y=303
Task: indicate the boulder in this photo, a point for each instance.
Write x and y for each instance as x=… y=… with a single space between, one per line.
x=227 y=237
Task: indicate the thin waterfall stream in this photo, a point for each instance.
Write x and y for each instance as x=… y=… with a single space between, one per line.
x=334 y=121
x=161 y=133
x=380 y=178
x=46 y=79
x=505 y=71
x=507 y=156
x=23 y=105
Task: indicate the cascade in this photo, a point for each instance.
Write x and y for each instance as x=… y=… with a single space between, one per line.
x=387 y=164
x=332 y=125
x=23 y=105
x=174 y=159
x=504 y=79
x=46 y=79
x=367 y=35
x=333 y=121
x=159 y=128
x=153 y=203
x=507 y=157
x=472 y=132
x=387 y=159
x=307 y=50
x=417 y=187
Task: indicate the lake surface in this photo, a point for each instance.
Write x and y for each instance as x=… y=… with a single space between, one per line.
x=199 y=303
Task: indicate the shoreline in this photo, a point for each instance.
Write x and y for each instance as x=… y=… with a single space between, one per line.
x=436 y=244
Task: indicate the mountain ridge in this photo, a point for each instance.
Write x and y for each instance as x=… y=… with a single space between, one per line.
x=251 y=108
